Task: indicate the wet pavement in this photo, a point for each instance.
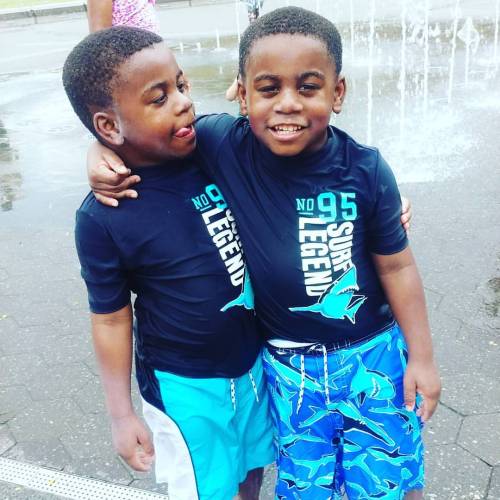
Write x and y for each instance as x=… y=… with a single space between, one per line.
x=437 y=127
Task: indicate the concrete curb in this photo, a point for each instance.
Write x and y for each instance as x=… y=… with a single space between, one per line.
x=76 y=7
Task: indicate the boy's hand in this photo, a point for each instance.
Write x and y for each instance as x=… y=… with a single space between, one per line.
x=406 y=213
x=132 y=442
x=109 y=178
x=422 y=378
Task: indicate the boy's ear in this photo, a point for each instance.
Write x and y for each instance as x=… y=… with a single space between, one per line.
x=340 y=90
x=242 y=97
x=107 y=126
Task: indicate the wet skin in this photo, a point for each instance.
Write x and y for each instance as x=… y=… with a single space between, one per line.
x=289 y=94
x=152 y=116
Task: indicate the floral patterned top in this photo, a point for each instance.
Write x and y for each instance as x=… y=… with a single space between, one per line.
x=137 y=13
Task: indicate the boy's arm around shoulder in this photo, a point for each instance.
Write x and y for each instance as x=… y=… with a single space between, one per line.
x=401 y=281
x=110 y=179
x=112 y=338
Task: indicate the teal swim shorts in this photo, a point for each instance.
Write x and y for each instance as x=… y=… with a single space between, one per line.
x=214 y=431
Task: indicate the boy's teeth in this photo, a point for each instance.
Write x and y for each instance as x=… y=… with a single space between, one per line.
x=287 y=129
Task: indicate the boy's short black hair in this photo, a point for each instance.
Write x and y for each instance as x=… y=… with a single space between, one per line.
x=91 y=69
x=291 y=21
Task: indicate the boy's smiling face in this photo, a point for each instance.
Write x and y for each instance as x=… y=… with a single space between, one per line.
x=289 y=91
x=152 y=112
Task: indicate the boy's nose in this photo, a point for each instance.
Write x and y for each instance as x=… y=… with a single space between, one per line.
x=288 y=102
x=183 y=103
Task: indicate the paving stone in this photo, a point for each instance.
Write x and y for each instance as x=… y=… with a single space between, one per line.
x=53 y=348
x=443 y=427
x=20 y=248
x=6 y=439
x=483 y=339
x=91 y=364
x=73 y=323
x=13 y=398
x=8 y=327
x=47 y=453
x=31 y=313
x=90 y=397
x=58 y=289
x=469 y=390
x=148 y=483
x=468 y=394
x=20 y=369
x=17 y=340
x=4 y=275
x=452 y=473
x=269 y=483
x=10 y=491
x=89 y=436
x=102 y=466
x=45 y=420
x=12 y=338
x=473 y=307
x=494 y=492
x=59 y=381
x=432 y=298
x=66 y=349
x=480 y=434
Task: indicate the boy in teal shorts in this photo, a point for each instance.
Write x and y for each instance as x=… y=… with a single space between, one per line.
x=197 y=348
x=331 y=268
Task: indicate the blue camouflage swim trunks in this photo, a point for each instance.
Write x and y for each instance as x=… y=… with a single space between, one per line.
x=352 y=434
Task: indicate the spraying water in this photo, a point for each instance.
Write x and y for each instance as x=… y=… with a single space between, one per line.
x=495 y=42
x=352 y=30
x=217 y=40
x=402 y=74
x=470 y=36
x=237 y=14
x=453 y=49
x=371 y=44
x=426 y=55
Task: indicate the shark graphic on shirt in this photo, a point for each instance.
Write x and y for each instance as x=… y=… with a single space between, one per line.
x=338 y=301
x=245 y=298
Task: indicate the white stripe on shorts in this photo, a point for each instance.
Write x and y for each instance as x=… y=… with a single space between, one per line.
x=173 y=463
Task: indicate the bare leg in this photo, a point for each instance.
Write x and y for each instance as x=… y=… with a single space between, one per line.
x=415 y=495
x=250 y=487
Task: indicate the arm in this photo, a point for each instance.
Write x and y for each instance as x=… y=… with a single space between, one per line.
x=406 y=214
x=109 y=178
x=403 y=287
x=99 y=14
x=112 y=337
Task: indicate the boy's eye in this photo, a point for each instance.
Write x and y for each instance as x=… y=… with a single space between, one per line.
x=268 y=89
x=308 y=87
x=183 y=87
x=160 y=99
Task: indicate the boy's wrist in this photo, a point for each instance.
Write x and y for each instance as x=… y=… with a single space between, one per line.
x=121 y=415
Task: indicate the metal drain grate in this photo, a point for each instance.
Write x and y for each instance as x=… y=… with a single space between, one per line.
x=67 y=485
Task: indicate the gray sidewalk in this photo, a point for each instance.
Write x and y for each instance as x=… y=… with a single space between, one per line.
x=51 y=405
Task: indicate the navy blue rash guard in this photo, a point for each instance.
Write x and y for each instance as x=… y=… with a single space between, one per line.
x=176 y=247
x=309 y=225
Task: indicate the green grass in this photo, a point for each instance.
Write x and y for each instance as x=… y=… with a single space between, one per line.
x=22 y=4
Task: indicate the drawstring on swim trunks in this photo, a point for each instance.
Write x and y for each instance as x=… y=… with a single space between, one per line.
x=302 y=382
x=325 y=368
x=233 y=393
x=233 y=389
x=253 y=385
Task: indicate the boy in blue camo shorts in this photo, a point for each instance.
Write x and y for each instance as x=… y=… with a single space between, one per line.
x=336 y=286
